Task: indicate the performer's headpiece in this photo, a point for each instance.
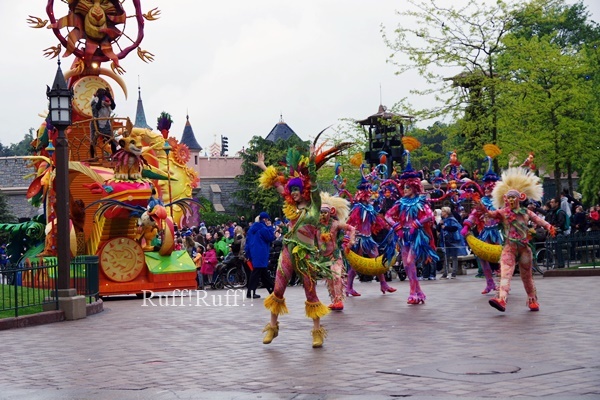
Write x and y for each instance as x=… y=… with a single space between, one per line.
x=490 y=177
x=295 y=182
x=409 y=176
x=517 y=182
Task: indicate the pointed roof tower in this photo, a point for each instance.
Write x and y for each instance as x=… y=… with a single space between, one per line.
x=140 y=116
x=188 y=138
x=281 y=131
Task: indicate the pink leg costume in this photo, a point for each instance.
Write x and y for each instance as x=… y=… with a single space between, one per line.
x=275 y=302
x=510 y=253
x=416 y=296
x=335 y=285
x=489 y=277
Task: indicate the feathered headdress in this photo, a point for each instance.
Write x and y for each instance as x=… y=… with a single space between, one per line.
x=410 y=144
x=526 y=183
x=297 y=168
x=342 y=206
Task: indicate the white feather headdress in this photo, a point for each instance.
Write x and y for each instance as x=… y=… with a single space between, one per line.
x=341 y=205
x=520 y=179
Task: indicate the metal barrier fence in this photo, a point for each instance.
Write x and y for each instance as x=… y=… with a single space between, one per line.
x=28 y=285
x=33 y=283
x=579 y=249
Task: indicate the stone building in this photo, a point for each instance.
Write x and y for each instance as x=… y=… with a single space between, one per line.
x=14 y=186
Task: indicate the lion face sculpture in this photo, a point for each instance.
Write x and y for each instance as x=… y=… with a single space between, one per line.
x=128 y=159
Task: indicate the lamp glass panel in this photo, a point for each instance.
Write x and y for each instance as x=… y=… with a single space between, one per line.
x=64 y=102
x=53 y=102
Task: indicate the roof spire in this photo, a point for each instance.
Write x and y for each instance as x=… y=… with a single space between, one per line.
x=140 y=116
x=189 y=138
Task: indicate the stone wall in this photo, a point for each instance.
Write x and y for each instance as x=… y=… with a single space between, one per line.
x=14 y=187
x=227 y=185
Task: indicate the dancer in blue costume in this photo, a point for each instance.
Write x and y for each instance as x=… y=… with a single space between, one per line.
x=411 y=219
x=489 y=228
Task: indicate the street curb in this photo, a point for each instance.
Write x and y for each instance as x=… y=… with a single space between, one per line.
x=572 y=272
x=46 y=317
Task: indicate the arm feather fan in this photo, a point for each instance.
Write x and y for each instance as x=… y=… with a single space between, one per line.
x=268 y=177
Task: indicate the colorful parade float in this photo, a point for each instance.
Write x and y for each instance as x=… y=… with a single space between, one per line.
x=128 y=189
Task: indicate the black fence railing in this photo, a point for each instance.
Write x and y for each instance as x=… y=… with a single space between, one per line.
x=32 y=284
x=28 y=286
x=578 y=249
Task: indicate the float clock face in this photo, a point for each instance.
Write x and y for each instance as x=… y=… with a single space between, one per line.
x=122 y=259
x=84 y=90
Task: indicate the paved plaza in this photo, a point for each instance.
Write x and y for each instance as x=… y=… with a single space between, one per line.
x=192 y=347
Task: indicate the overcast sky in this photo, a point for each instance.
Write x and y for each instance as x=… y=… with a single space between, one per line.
x=233 y=66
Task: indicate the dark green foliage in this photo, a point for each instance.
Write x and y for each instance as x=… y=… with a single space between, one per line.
x=21 y=148
x=210 y=217
x=250 y=195
x=6 y=217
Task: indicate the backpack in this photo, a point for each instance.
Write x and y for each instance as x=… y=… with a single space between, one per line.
x=567 y=224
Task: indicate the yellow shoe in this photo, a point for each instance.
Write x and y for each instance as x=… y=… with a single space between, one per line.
x=318 y=336
x=272 y=332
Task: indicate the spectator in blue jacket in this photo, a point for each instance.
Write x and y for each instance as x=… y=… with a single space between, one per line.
x=258 y=245
x=453 y=242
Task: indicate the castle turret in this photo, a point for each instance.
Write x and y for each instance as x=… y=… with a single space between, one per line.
x=140 y=116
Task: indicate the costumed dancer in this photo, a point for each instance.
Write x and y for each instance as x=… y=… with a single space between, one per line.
x=411 y=220
x=334 y=213
x=516 y=186
x=367 y=221
x=488 y=228
x=299 y=253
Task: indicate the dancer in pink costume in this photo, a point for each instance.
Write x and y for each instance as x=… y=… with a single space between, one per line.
x=488 y=228
x=411 y=220
x=332 y=226
x=517 y=185
x=367 y=222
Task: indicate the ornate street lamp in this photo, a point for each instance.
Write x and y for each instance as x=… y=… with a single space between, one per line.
x=167 y=148
x=60 y=98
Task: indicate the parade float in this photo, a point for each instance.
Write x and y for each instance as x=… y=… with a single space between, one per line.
x=124 y=203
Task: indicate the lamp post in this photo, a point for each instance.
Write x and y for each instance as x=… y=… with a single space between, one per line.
x=167 y=148
x=60 y=99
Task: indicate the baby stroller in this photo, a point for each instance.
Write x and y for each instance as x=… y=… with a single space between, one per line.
x=401 y=272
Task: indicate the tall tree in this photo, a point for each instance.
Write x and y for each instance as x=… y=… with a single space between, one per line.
x=549 y=99
x=465 y=41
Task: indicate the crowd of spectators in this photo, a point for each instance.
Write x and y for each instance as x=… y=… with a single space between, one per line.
x=208 y=245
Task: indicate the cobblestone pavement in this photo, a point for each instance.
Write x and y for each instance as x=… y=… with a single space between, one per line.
x=454 y=346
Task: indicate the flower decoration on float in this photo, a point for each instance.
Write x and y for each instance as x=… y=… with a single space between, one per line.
x=164 y=122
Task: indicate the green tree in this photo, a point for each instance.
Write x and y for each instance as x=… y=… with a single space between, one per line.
x=6 y=216
x=249 y=193
x=436 y=39
x=346 y=131
x=549 y=102
x=21 y=148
